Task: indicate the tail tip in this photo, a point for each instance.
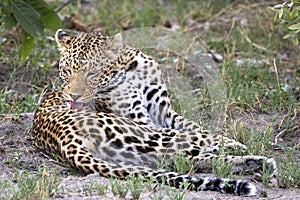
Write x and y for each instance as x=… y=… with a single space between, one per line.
x=248 y=189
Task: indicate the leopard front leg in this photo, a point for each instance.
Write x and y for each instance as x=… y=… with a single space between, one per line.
x=209 y=143
x=256 y=165
x=203 y=148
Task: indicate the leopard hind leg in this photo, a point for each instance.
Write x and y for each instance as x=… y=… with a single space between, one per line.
x=85 y=161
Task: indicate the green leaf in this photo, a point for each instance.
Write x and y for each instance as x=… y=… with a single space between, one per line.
x=287 y=11
x=5 y=8
x=8 y=22
x=40 y=6
x=280 y=13
x=287 y=36
x=294 y=27
x=28 y=17
x=294 y=13
x=275 y=17
x=26 y=46
x=51 y=20
x=295 y=41
x=276 y=7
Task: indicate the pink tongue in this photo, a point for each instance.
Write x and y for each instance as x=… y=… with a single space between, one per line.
x=76 y=105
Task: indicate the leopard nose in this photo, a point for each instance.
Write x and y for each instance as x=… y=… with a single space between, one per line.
x=75 y=97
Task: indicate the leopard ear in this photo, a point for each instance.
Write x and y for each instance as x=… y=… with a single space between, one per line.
x=63 y=40
x=117 y=41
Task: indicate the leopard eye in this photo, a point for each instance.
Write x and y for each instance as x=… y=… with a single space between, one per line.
x=91 y=74
x=65 y=74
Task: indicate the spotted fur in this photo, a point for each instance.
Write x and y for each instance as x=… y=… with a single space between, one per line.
x=116 y=146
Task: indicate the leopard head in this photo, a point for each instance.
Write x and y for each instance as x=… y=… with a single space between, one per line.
x=88 y=64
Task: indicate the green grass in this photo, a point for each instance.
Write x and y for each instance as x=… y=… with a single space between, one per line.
x=93 y=189
x=118 y=187
x=136 y=186
x=289 y=175
x=133 y=184
x=15 y=102
x=176 y=194
x=179 y=163
x=101 y=189
x=30 y=186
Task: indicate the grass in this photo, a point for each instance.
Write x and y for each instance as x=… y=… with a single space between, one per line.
x=179 y=163
x=259 y=69
x=97 y=189
x=15 y=102
x=118 y=187
x=30 y=186
x=220 y=168
x=101 y=189
x=290 y=171
x=177 y=194
x=136 y=186
x=133 y=184
x=163 y=192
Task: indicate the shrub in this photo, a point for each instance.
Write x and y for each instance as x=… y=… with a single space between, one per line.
x=288 y=14
x=33 y=16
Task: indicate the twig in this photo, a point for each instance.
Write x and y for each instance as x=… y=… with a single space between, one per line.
x=55 y=162
x=29 y=84
x=284 y=131
x=278 y=135
x=295 y=114
x=23 y=144
x=250 y=41
x=281 y=122
x=212 y=18
x=59 y=8
x=209 y=51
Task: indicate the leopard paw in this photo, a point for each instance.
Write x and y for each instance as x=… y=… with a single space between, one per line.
x=256 y=165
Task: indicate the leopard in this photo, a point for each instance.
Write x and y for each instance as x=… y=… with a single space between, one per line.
x=110 y=76
x=115 y=146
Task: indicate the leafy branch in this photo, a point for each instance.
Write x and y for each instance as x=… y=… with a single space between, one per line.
x=288 y=14
x=33 y=16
